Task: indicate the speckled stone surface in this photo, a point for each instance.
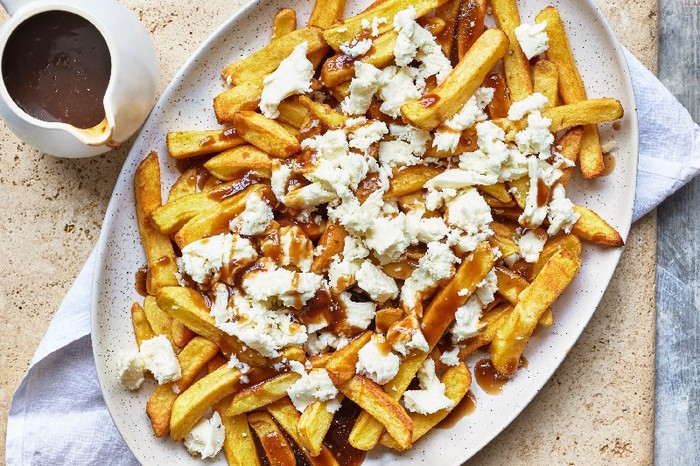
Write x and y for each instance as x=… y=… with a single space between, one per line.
x=596 y=409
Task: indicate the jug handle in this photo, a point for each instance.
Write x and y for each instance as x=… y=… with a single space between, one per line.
x=11 y=6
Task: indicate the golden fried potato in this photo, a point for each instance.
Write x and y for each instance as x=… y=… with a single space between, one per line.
x=142 y=329
x=285 y=22
x=515 y=63
x=188 y=144
x=265 y=134
x=159 y=408
x=591 y=227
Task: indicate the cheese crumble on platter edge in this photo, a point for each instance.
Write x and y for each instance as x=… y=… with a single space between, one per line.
x=264 y=271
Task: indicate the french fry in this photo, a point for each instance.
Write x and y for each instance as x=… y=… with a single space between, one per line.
x=332 y=118
x=185 y=185
x=262 y=394
x=160 y=255
x=266 y=60
x=341 y=364
x=498 y=191
x=284 y=23
x=326 y=13
x=244 y=96
x=444 y=101
x=181 y=334
x=347 y=29
x=504 y=244
x=308 y=196
x=570 y=242
x=188 y=144
x=410 y=180
x=313 y=425
x=569 y=146
x=292 y=112
x=511 y=284
x=190 y=405
x=239 y=445
x=546 y=81
x=172 y=216
x=448 y=11
x=492 y=321
x=216 y=362
x=265 y=134
x=331 y=243
x=584 y=112
x=387 y=316
x=233 y=163
x=215 y=220
x=571 y=88
x=159 y=320
x=591 y=227
x=159 y=408
x=510 y=340
x=400 y=270
x=382 y=407
x=193 y=358
x=142 y=329
x=470 y=25
x=516 y=65
x=188 y=306
x=288 y=417
x=457 y=381
x=274 y=443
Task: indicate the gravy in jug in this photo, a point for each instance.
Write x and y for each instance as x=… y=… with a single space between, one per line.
x=56 y=67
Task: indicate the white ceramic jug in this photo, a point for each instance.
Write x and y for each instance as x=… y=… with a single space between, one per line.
x=129 y=95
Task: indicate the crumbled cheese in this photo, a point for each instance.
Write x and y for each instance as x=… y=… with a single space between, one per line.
x=319 y=342
x=279 y=179
x=263 y=329
x=431 y=397
x=434 y=199
x=292 y=289
x=467 y=320
x=355 y=217
x=362 y=137
x=310 y=195
x=363 y=86
x=425 y=230
x=235 y=363
x=376 y=361
x=378 y=285
x=220 y=310
x=533 y=39
x=207 y=437
x=255 y=218
x=436 y=264
x=388 y=238
x=159 y=359
x=534 y=214
x=447 y=136
x=470 y=213
x=204 y=258
x=450 y=357
x=295 y=248
x=532 y=103
x=531 y=244
x=536 y=138
x=487 y=288
x=416 y=138
x=292 y=76
x=397 y=154
x=356 y=48
x=561 y=213
x=359 y=315
x=374 y=25
x=397 y=88
x=131 y=370
x=416 y=341
x=312 y=387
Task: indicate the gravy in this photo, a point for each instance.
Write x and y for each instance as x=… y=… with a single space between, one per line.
x=56 y=67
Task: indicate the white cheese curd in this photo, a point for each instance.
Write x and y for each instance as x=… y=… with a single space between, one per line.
x=353 y=248
x=434 y=199
x=254 y=219
x=203 y=258
x=235 y=363
x=431 y=397
x=487 y=288
x=263 y=329
x=397 y=89
x=291 y=289
x=447 y=136
x=374 y=25
x=534 y=214
x=292 y=76
x=220 y=310
x=131 y=370
x=536 y=139
x=356 y=48
x=310 y=195
x=159 y=359
x=319 y=342
x=450 y=357
x=561 y=213
x=417 y=138
x=416 y=341
x=467 y=320
x=388 y=238
x=531 y=244
x=397 y=154
x=436 y=264
x=359 y=315
x=279 y=179
x=295 y=248
x=376 y=361
x=425 y=230
x=532 y=103
x=373 y=281
x=355 y=217
x=470 y=213
x=312 y=387
x=207 y=437
x=362 y=137
x=533 y=38
x=363 y=86
x=341 y=273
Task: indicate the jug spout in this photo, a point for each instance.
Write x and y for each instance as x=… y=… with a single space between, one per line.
x=99 y=135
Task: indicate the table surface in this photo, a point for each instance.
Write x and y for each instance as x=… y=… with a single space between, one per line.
x=598 y=406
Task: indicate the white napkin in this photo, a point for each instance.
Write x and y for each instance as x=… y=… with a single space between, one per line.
x=58 y=415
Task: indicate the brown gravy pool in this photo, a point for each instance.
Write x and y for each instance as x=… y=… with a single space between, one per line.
x=56 y=67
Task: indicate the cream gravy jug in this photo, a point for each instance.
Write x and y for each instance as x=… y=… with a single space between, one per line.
x=79 y=77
